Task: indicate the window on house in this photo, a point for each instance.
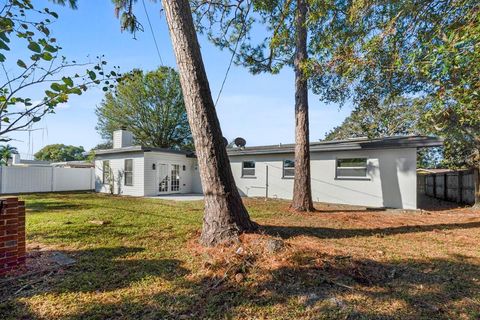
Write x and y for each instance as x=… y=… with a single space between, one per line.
x=106 y=172
x=351 y=168
x=128 y=172
x=248 y=169
x=288 y=168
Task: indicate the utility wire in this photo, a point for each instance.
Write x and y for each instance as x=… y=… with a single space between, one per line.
x=153 y=34
x=233 y=54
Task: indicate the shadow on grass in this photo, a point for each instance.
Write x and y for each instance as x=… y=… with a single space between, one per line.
x=286 y=232
x=47 y=206
x=307 y=286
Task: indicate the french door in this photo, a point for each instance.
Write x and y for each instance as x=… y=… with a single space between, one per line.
x=168 y=177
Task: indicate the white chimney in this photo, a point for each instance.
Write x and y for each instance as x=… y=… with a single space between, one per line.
x=16 y=159
x=122 y=138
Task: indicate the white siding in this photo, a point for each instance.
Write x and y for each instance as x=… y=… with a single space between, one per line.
x=151 y=183
x=391 y=178
x=117 y=167
x=23 y=179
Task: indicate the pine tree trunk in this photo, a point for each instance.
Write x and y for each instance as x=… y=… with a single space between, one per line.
x=476 y=182
x=225 y=215
x=302 y=190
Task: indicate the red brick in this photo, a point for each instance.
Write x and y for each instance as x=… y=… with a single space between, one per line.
x=8 y=260
x=11 y=254
x=11 y=221
x=8 y=238
x=4 y=249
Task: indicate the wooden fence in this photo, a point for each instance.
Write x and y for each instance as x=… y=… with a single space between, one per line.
x=456 y=186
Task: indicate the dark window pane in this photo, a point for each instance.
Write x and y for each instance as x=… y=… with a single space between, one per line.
x=355 y=162
x=288 y=172
x=289 y=164
x=128 y=179
x=249 y=164
x=288 y=168
x=129 y=165
x=248 y=168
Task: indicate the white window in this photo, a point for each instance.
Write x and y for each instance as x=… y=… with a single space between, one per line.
x=351 y=168
x=128 y=172
x=106 y=172
x=248 y=169
x=288 y=168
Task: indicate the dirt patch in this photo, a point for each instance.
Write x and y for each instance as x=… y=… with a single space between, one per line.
x=43 y=262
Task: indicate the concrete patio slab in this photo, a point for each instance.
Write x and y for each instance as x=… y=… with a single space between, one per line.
x=180 y=197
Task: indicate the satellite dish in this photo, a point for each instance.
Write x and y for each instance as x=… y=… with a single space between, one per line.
x=240 y=142
x=225 y=142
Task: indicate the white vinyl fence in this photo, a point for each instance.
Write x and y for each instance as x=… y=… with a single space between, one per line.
x=45 y=179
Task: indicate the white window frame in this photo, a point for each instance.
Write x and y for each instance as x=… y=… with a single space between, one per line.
x=248 y=169
x=346 y=177
x=284 y=176
x=125 y=173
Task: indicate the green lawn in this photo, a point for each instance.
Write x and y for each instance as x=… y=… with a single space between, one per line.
x=338 y=263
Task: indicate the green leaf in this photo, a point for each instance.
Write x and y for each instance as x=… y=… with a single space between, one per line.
x=68 y=81
x=21 y=64
x=4 y=37
x=35 y=47
x=36 y=119
x=92 y=75
x=47 y=56
x=3 y=46
x=56 y=87
x=2 y=58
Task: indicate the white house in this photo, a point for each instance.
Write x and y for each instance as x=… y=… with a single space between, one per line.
x=374 y=173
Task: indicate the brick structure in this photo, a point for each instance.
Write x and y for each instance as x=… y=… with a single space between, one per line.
x=12 y=234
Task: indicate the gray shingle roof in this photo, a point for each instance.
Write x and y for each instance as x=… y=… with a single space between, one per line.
x=349 y=144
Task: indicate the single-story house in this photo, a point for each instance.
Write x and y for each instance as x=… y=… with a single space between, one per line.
x=367 y=172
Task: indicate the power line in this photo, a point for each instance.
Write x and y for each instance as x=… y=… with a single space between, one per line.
x=233 y=55
x=153 y=34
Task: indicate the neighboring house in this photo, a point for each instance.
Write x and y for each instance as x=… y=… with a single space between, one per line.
x=17 y=161
x=374 y=173
x=74 y=164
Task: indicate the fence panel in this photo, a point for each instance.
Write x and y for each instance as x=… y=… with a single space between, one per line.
x=468 y=193
x=72 y=179
x=455 y=186
x=45 y=179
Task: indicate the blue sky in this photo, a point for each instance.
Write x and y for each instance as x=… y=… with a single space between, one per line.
x=259 y=108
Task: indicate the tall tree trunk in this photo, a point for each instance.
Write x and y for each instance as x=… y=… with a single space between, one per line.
x=476 y=183
x=302 y=189
x=225 y=215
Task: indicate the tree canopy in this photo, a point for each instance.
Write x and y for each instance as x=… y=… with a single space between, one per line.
x=429 y=50
x=6 y=153
x=151 y=106
x=60 y=152
x=44 y=70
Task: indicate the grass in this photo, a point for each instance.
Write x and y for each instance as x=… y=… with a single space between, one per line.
x=338 y=263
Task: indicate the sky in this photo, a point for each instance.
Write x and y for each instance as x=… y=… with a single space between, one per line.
x=259 y=108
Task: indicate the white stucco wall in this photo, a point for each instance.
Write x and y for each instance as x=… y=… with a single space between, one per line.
x=117 y=163
x=391 y=178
